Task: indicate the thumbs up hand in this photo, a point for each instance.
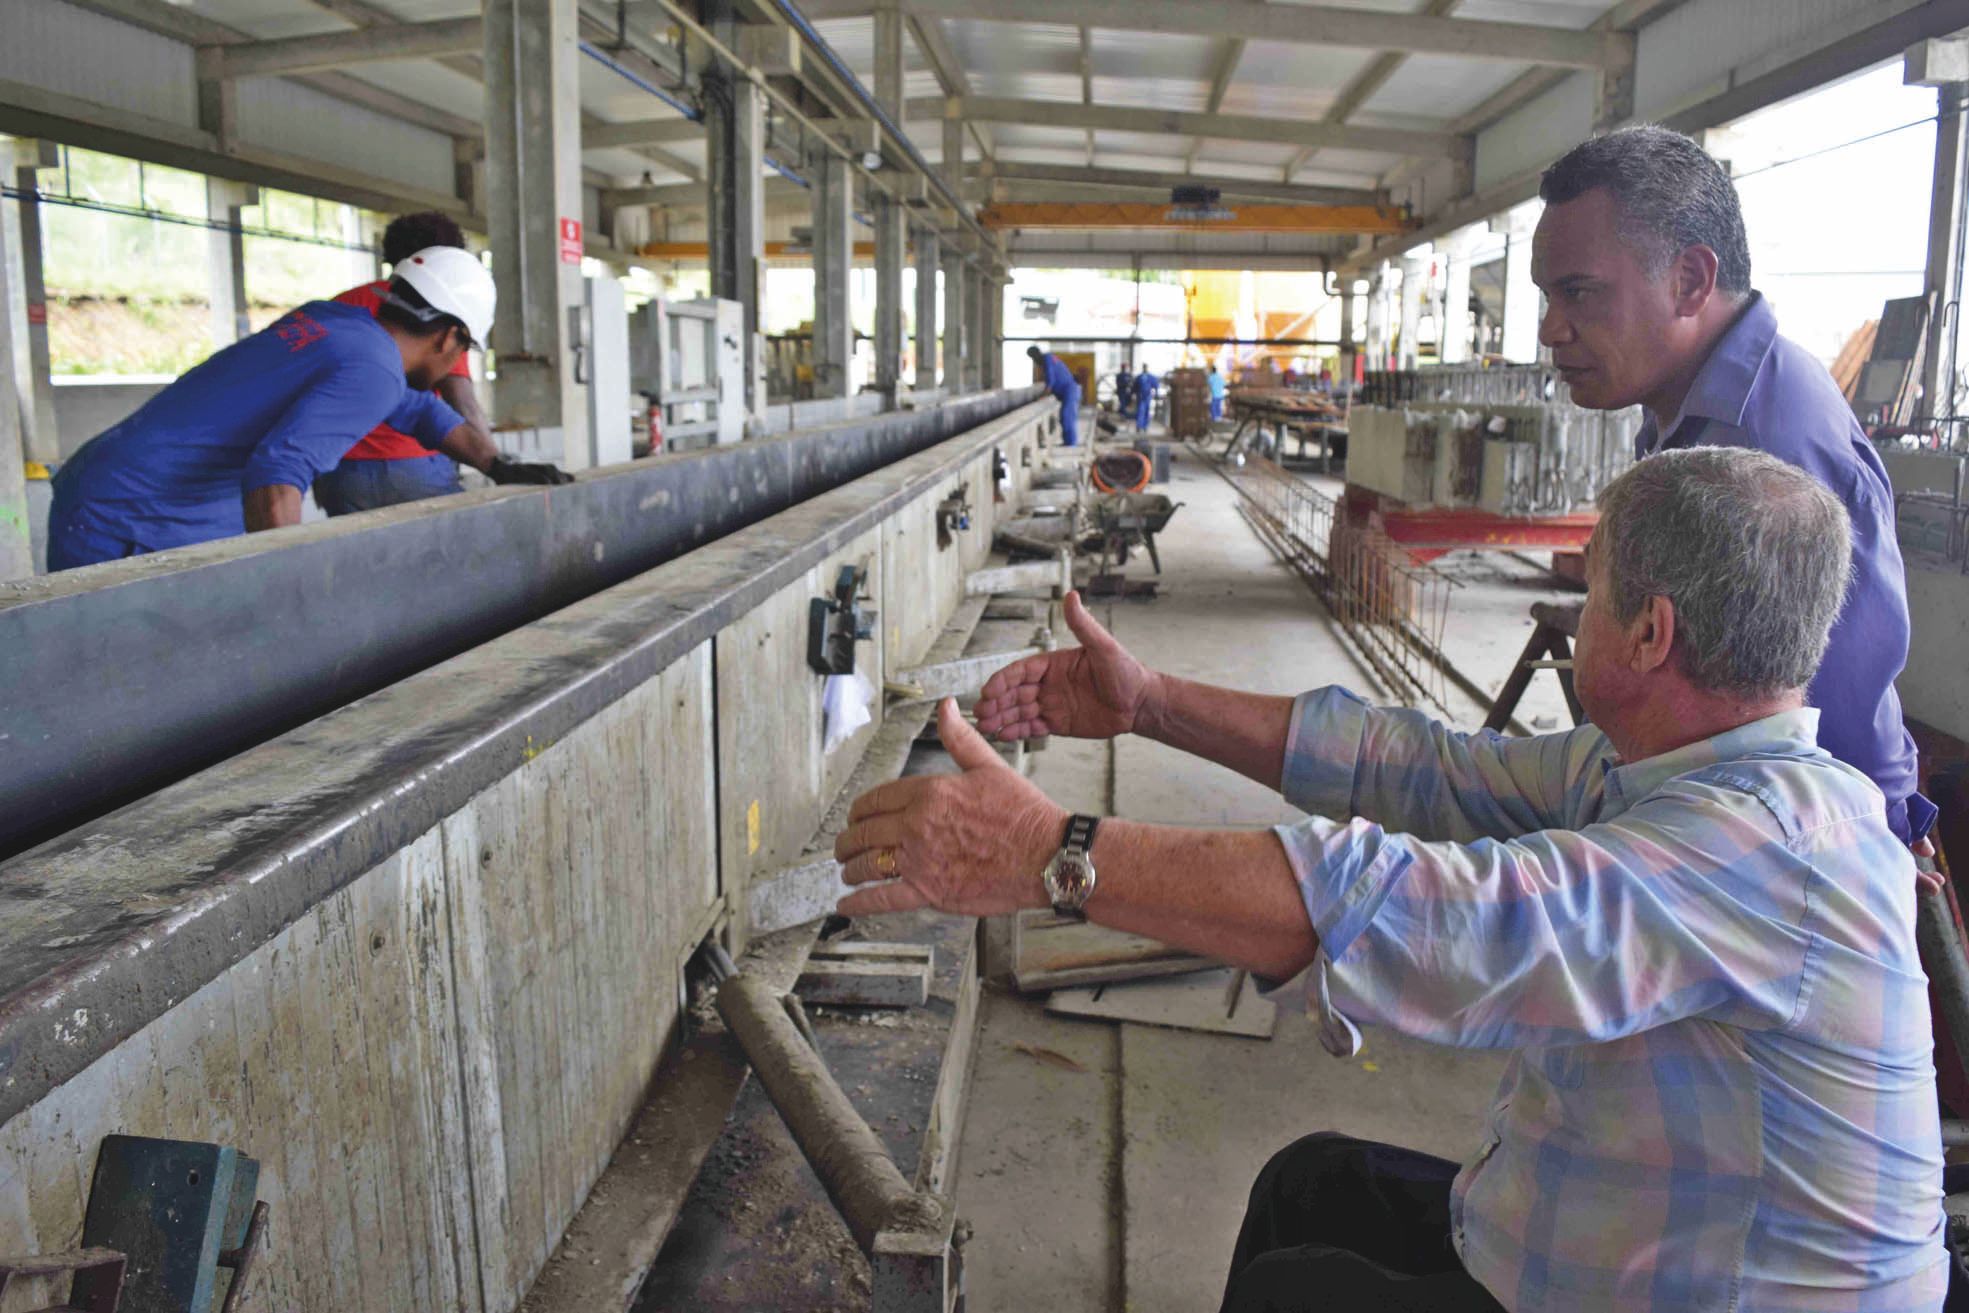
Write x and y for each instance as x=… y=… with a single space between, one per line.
x=972 y=843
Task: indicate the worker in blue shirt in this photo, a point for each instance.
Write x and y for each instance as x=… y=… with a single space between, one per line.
x=1144 y=398
x=229 y=447
x=1062 y=384
x=1645 y=266
x=1217 y=390
x=1124 y=391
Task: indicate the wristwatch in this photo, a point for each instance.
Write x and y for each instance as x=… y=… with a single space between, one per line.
x=1069 y=876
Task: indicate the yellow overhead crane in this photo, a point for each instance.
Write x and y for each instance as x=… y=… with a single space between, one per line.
x=1370 y=219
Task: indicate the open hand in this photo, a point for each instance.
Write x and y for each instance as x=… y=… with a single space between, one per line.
x=1094 y=691
x=973 y=843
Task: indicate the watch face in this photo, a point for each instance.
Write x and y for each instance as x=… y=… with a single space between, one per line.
x=1070 y=878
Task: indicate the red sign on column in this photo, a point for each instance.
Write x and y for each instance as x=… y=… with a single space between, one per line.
x=37 y=312
x=570 y=241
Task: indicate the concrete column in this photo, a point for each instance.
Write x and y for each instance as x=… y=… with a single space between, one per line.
x=1377 y=318
x=996 y=333
x=891 y=221
x=926 y=308
x=833 y=241
x=735 y=135
x=1415 y=280
x=953 y=146
x=977 y=301
x=1521 y=300
x=533 y=194
x=1457 y=249
x=38 y=438
x=955 y=349
x=225 y=259
x=16 y=408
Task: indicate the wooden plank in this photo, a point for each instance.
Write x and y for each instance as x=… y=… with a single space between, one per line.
x=936 y=1165
x=1057 y=954
x=1223 y=1002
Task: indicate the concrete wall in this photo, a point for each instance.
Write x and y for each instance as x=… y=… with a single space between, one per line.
x=1934 y=687
x=84 y=408
x=435 y=1062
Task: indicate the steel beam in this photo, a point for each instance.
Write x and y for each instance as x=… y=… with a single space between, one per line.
x=1356 y=29
x=1228 y=127
x=134 y=912
x=1149 y=181
x=1057 y=216
x=200 y=654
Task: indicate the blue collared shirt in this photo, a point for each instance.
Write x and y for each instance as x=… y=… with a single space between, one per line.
x=278 y=407
x=1763 y=391
x=1721 y=1093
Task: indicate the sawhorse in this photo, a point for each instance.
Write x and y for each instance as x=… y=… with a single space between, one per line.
x=1549 y=648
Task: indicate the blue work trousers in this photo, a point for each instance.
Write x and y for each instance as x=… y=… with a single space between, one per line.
x=365 y=485
x=1070 y=417
x=1216 y=409
x=1144 y=399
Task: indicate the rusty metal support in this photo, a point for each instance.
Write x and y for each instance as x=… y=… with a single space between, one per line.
x=907 y=1235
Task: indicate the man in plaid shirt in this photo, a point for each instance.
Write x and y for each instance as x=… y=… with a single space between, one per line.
x=1693 y=928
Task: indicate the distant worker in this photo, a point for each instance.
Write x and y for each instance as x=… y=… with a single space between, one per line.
x=1144 y=398
x=229 y=447
x=1062 y=384
x=389 y=466
x=1217 y=390
x=1325 y=385
x=1124 y=391
x=1645 y=266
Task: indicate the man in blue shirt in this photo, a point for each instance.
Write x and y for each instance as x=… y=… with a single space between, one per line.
x=1217 y=389
x=1642 y=259
x=1062 y=384
x=1145 y=383
x=229 y=447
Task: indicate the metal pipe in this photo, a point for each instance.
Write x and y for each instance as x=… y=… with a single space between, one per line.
x=1941 y=950
x=851 y=1162
x=870 y=104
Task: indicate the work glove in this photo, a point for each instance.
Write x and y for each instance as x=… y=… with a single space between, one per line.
x=503 y=471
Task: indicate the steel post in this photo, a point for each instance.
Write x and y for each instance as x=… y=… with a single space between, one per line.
x=1944 y=268
x=16 y=552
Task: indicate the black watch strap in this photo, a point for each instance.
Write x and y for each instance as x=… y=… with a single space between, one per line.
x=1080 y=833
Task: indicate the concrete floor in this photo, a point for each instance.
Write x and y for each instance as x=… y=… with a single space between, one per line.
x=1105 y=1166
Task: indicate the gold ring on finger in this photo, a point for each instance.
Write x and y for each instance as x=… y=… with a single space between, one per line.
x=885 y=862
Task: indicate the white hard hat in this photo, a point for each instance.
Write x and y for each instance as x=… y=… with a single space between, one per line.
x=452 y=282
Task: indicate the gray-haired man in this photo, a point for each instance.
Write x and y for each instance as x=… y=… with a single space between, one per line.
x=1643 y=260
x=1721 y=1092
